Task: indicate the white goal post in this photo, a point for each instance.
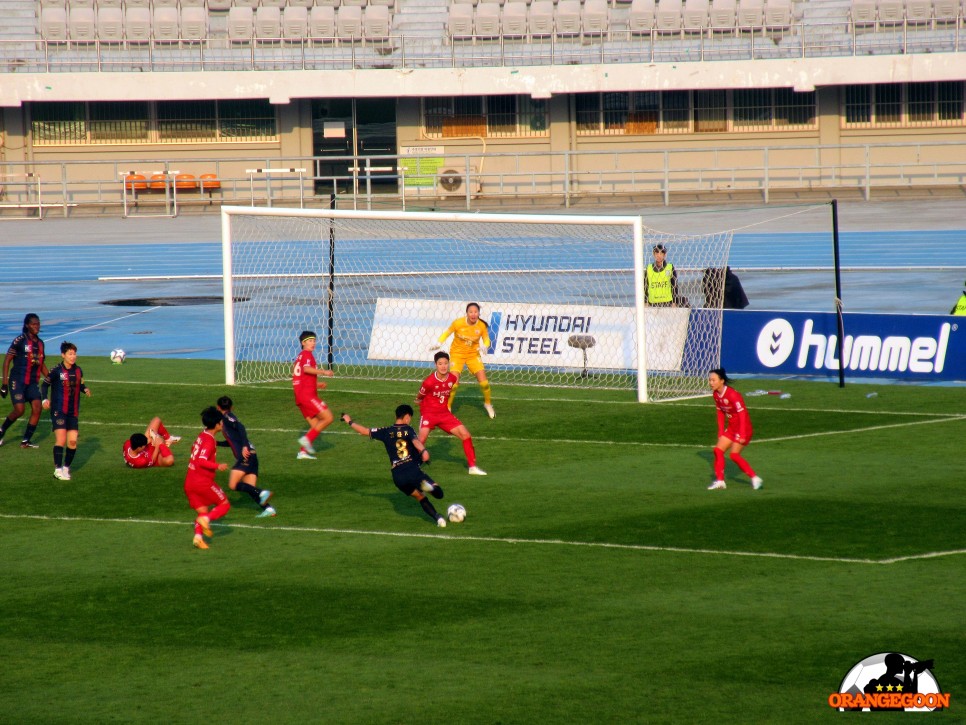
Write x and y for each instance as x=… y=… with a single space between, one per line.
x=563 y=296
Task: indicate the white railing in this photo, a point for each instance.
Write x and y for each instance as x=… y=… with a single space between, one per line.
x=155 y=187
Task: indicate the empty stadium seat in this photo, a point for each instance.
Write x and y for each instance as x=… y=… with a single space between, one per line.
x=53 y=23
x=110 y=24
x=540 y=21
x=722 y=15
x=460 y=21
x=695 y=15
x=295 y=22
x=192 y=4
x=640 y=18
x=219 y=5
x=348 y=22
x=301 y=4
x=514 y=19
x=486 y=21
x=328 y=3
x=53 y=3
x=919 y=12
x=137 y=24
x=890 y=12
x=81 y=24
x=106 y=3
x=595 y=19
x=245 y=4
x=80 y=4
x=778 y=14
x=194 y=22
x=241 y=24
x=863 y=13
x=751 y=14
x=357 y=3
x=386 y=3
x=166 y=23
x=667 y=19
x=137 y=4
x=566 y=18
x=273 y=4
x=268 y=22
x=155 y=4
x=322 y=22
x=945 y=12
x=376 y=22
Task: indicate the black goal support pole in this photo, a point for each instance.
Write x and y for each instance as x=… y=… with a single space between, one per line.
x=840 y=342
x=330 y=296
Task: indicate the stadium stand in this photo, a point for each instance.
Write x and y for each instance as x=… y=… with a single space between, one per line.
x=268 y=22
x=640 y=18
x=137 y=24
x=53 y=23
x=166 y=24
x=82 y=24
x=295 y=22
x=110 y=24
x=348 y=22
x=194 y=23
x=241 y=23
x=322 y=22
x=376 y=22
x=486 y=20
x=515 y=19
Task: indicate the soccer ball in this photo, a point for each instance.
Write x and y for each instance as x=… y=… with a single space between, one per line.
x=456 y=513
x=117 y=356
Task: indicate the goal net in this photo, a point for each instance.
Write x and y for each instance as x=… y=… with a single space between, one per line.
x=562 y=296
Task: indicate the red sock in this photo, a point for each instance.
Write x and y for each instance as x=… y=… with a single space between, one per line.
x=197 y=528
x=470 y=452
x=218 y=511
x=312 y=435
x=162 y=431
x=743 y=464
x=164 y=450
x=719 y=464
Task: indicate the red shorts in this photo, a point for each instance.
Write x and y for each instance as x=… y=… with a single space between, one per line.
x=311 y=407
x=444 y=421
x=736 y=437
x=203 y=494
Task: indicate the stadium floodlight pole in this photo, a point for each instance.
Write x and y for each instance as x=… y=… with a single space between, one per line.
x=838 y=291
x=639 y=310
x=228 y=297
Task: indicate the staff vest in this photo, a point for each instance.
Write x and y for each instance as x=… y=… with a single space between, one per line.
x=960 y=308
x=659 y=284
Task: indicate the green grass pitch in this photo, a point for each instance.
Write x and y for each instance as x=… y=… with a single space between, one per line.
x=595 y=580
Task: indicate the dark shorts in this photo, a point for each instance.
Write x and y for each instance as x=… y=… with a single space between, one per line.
x=62 y=421
x=249 y=467
x=407 y=478
x=21 y=393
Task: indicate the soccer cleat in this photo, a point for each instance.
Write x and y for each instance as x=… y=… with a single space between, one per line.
x=172 y=439
x=425 y=486
x=489 y=410
x=65 y=474
x=264 y=496
x=476 y=471
x=266 y=513
x=304 y=455
x=306 y=444
x=205 y=523
x=1 y=441
x=441 y=522
x=59 y=474
x=199 y=543
x=756 y=482
x=28 y=444
x=717 y=486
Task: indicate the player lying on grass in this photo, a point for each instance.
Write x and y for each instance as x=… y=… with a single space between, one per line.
x=432 y=398
x=199 y=484
x=306 y=384
x=734 y=429
x=244 y=474
x=150 y=449
x=468 y=333
x=405 y=453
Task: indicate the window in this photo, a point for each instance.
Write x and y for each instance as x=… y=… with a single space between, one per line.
x=486 y=116
x=710 y=111
x=139 y=122
x=904 y=104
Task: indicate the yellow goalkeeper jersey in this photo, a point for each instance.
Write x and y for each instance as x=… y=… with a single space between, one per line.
x=466 y=337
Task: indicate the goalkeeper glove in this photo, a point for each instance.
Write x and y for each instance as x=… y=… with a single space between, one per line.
x=3 y=391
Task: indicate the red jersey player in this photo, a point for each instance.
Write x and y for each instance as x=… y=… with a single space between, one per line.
x=306 y=384
x=150 y=449
x=734 y=429
x=199 y=484
x=432 y=399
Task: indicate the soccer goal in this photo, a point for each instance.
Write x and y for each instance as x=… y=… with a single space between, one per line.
x=562 y=295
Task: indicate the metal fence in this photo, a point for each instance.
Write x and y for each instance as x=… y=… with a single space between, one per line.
x=36 y=189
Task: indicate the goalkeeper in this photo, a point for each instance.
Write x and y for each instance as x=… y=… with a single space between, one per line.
x=466 y=351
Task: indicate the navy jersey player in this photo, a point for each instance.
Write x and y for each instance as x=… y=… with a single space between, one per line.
x=23 y=368
x=65 y=384
x=244 y=474
x=405 y=454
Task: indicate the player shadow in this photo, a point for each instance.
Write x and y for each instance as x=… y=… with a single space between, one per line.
x=731 y=469
x=441 y=448
x=402 y=504
x=86 y=448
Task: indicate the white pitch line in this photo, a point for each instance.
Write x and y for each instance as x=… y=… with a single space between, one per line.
x=500 y=540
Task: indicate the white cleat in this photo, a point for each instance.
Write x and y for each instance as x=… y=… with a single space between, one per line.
x=756 y=482
x=489 y=410
x=172 y=439
x=441 y=522
x=476 y=471
x=65 y=474
x=304 y=455
x=717 y=486
x=59 y=474
x=306 y=444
